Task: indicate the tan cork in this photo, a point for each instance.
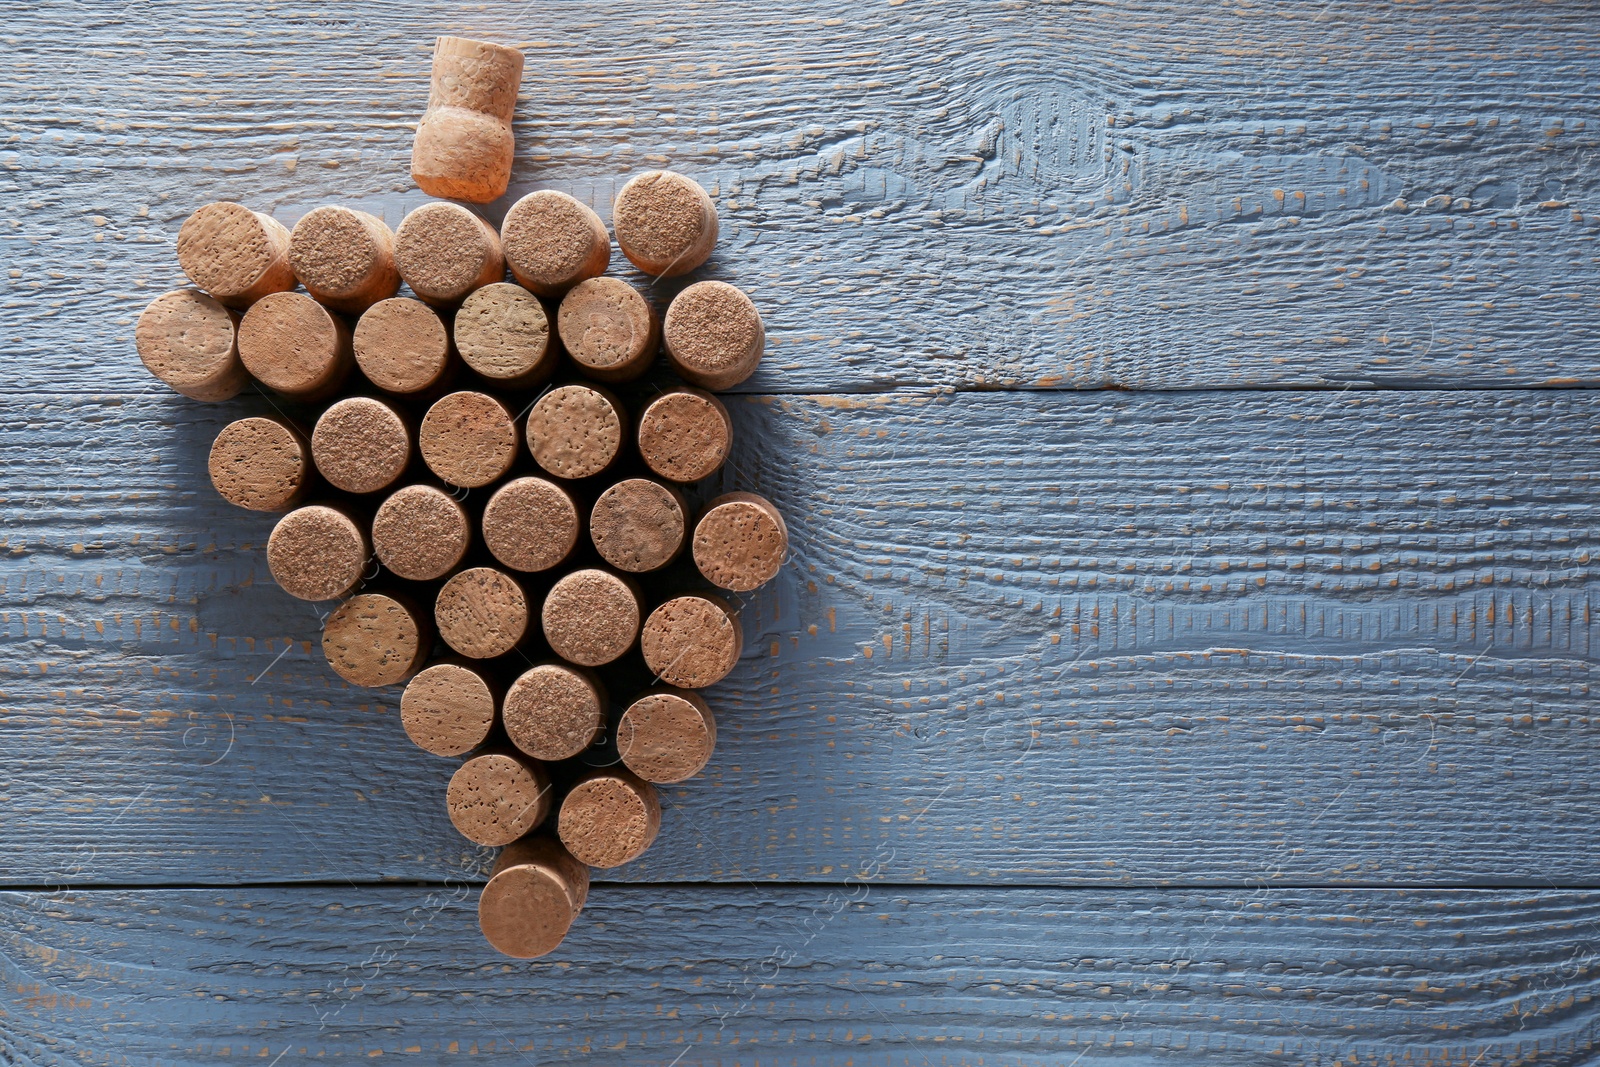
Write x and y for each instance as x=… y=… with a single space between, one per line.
x=447 y=709
x=535 y=891
x=191 y=342
x=713 y=335
x=552 y=242
x=740 y=541
x=444 y=252
x=420 y=533
x=344 y=258
x=666 y=735
x=692 y=641
x=260 y=463
x=295 y=346
x=685 y=435
x=666 y=223
x=317 y=553
x=482 y=612
x=639 y=525
x=497 y=797
x=361 y=445
x=609 y=817
x=376 y=639
x=609 y=329
x=468 y=439
x=531 y=524
x=503 y=333
x=576 y=431
x=591 y=617
x=464 y=145
x=554 y=711
x=402 y=346
x=235 y=254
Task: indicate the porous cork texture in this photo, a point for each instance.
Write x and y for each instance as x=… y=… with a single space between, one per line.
x=420 y=533
x=190 y=341
x=576 y=431
x=609 y=818
x=316 y=553
x=609 y=329
x=447 y=709
x=464 y=144
x=295 y=346
x=666 y=223
x=496 y=798
x=376 y=639
x=344 y=258
x=552 y=242
x=554 y=711
x=260 y=463
x=469 y=439
x=444 y=251
x=692 y=641
x=713 y=335
x=685 y=435
x=639 y=525
x=361 y=445
x=740 y=541
x=482 y=612
x=503 y=333
x=402 y=346
x=531 y=524
x=535 y=891
x=591 y=617
x=235 y=254
x=666 y=736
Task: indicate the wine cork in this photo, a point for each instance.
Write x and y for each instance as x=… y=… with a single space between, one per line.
x=376 y=639
x=443 y=251
x=496 y=798
x=464 y=145
x=609 y=818
x=685 y=435
x=535 y=891
x=295 y=346
x=402 y=346
x=235 y=254
x=713 y=335
x=503 y=333
x=639 y=525
x=260 y=463
x=576 y=431
x=191 y=342
x=482 y=613
x=361 y=445
x=344 y=258
x=531 y=524
x=552 y=242
x=447 y=709
x=420 y=533
x=692 y=641
x=666 y=223
x=554 y=711
x=591 y=617
x=468 y=439
x=740 y=541
x=317 y=553
x=666 y=735
x=609 y=329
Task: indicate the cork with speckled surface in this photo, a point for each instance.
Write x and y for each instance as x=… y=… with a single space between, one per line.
x=361 y=444
x=639 y=525
x=190 y=341
x=503 y=332
x=495 y=798
x=482 y=612
x=235 y=254
x=377 y=639
x=464 y=144
x=295 y=346
x=444 y=251
x=685 y=435
x=666 y=223
x=740 y=541
x=261 y=463
x=553 y=241
x=468 y=438
x=420 y=533
x=534 y=893
x=609 y=817
x=666 y=735
x=713 y=335
x=591 y=616
x=692 y=641
x=402 y=346
x=576 y=431
x=344 y=258
x=531 y=524
x=609 y=329
x=317 y=552
x=447 y=709
x=553 y=711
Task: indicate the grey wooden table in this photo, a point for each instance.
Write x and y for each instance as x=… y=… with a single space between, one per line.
x=1241 y=715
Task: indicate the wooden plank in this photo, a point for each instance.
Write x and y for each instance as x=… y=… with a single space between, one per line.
x=1078 y=638
x=1145 y=195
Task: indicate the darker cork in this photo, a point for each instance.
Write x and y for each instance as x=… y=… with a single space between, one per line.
x=666 y=223
x=444 y=252
x=190 y=342
x=468 y=439
x=576 y=431
x=740 y=541
x=376 y=639
x=666 y=735
x=552 y=242
x=344 y=258
x=482 y=613
x=402 y=346
x=535 y=891
x=503 y=333
x=361 y=445
x=295 y=346
x=317 y=553
x=531 y=524
x=554 y=711
x=713 y=335
x=639 y=525
x=609 y=329
x=447 y=709
x=609 y=817
x=685 y=435
x=692 y=641
x=591 y=617
x=420 y=533
x=496 y=798
x=260 y=463
x=235 y=254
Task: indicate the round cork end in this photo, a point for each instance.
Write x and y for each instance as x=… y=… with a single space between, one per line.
x=552 y=242
x=591 y=617
x=316 y=553
x=639 y=525
x=531 y=524
x=468 y=439
x=713 y=335
x=444 y=251
x=495 y=799
x=692 y=641
x=503 y=333
x=666 y=736
x=361 y=445
x=666 y=223
x=376 y=639
x=740 y=541
x=553 y=711
x=447 y=709
x=685 y=435
x=534 y=892
x=344 y=258
x=190 y=342
x=295 y=346
x=402 y=346
x=609 y=818
x=609 y=329
x=481 y=613
x=420 y=533
x=576 y=431
x=235 y=254
x=260 y=463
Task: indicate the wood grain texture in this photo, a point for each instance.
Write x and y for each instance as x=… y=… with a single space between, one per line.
x=1148 y=195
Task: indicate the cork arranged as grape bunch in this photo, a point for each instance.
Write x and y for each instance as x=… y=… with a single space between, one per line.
x=532 y=554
